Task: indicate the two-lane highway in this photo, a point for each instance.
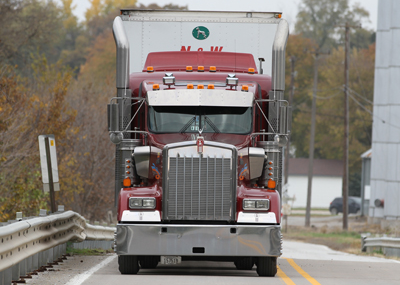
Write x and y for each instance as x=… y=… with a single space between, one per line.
x=301 y=263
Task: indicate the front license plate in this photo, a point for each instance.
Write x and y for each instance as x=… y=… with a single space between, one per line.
x=171 y=259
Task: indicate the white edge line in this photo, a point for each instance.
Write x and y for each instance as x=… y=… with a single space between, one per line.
x=79 y=279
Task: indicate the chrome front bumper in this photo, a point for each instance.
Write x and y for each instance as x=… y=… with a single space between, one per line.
x=198 y=240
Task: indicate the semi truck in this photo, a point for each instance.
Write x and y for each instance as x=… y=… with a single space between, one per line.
x=199 y=122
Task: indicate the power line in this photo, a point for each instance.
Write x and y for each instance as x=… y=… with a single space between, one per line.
x=372 y=114
x=362 y=97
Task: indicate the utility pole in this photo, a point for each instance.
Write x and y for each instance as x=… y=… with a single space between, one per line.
x=345 y=184
x=292 y=74
x=316 y=53
x=345 y=187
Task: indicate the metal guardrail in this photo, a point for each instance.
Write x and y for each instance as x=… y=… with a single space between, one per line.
x=389 y=246
x=27 y=244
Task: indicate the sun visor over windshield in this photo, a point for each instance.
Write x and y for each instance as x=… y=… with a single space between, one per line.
x=200 y=97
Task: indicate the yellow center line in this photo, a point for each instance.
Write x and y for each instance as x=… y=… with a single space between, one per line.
x=284 y=277
x=302 y=272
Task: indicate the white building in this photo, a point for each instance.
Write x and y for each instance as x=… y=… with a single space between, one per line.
x=326 y=182
x=385 y=166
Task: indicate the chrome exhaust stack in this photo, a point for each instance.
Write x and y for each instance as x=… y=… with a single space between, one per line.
x=122 y=45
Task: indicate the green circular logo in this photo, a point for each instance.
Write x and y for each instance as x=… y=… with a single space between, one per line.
x=200 y=33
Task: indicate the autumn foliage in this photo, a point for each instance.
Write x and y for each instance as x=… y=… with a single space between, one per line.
x=57 y=75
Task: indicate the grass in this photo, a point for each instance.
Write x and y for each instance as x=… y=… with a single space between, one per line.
x=312 y=209
x=347 y=241
x=86 y=251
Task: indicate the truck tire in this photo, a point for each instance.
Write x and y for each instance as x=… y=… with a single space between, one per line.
x=245 y=263
x=148 y=262
x=128 y=264
x=266 y=266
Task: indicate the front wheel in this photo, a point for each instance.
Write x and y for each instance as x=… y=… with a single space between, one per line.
x=266 y=266
x=149 y=262
x=245 y=263
x=128 y=264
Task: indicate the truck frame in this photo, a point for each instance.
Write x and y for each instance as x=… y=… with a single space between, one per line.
x=199 y=137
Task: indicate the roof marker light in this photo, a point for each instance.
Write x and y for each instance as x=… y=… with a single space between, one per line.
x=210 y=86
x=200 y=68
x=245 y=88
x=251 y=70
x=278 y=16
x=213 y=69
x=200 y=86
x=189 y=69
x=190 y=86
x=150 y=69
x=156 y=87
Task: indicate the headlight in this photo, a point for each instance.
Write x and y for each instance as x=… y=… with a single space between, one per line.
x=256 y=204
x=142 y=203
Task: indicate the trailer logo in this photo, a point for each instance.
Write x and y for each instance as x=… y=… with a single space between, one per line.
x=200 y=33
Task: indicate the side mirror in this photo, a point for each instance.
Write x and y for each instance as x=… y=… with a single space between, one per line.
x=256 y=161
x=142 y=160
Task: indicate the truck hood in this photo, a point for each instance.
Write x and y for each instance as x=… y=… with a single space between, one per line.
x=160 y=140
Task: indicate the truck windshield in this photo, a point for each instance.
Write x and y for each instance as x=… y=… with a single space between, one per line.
x=189 y=119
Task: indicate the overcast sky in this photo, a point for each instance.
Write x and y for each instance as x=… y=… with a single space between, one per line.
x=289 y=8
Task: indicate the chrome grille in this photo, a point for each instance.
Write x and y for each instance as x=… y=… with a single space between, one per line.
x=199 y=188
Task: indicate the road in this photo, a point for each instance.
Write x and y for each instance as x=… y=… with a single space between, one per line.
x=301 y=263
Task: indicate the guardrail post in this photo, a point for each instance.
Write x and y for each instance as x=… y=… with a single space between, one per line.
x=29 y=267
x=55 y=253
x=1 y=278
x=7 y=276
x=15 y=272
x=22 y=268
x=50 y=253
x=35 y=262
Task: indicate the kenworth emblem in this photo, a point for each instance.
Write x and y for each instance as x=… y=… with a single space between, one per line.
x=200 y=143
x=200 y=33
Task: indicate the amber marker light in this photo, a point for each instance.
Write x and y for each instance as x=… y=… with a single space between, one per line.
x=190 y=86
x=127 y=182
x=251 y=70
x=200 y=86
x=210 y=86
x=150 y=69
x=200 y=68
x=156 y=87
x=245 y=88
x=189 y=69
x=213 y=69
x=271 y=184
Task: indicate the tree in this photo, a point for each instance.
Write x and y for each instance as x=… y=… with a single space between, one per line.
x=319 y=20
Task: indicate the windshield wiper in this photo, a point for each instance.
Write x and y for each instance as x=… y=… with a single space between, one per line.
x=212 y=125
x=187 y=124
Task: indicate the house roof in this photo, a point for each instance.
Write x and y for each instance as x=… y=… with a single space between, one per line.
x=367 y=154
x=321 y=167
